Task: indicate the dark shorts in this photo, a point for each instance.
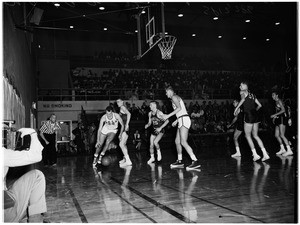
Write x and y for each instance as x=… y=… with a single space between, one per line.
x=240 y=125
x=251 y=117
x=153 y=131
x=280 y=120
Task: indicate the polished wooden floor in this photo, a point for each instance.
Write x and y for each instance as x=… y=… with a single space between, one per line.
x=224 y=190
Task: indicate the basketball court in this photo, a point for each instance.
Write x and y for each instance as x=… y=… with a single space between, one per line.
x=223 y=190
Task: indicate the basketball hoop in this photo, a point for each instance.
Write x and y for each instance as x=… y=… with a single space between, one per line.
x=166 y=46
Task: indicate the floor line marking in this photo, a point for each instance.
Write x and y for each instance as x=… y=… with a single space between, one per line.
x=216 y=204
x=161 y=206
x=136 y=208
x=78 y=208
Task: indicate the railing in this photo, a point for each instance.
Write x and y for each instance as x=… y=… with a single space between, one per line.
x=67 y=94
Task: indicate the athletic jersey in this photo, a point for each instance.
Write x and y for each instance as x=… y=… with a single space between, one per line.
x=250 y=113
x=183 y=111
x=282 y=118
x=111 y=124
x=123 y=115
x=156 y=122
x=240 y=116
x=240 y=120
x=278 y=108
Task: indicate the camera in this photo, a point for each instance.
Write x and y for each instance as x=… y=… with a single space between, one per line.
x=11 y=139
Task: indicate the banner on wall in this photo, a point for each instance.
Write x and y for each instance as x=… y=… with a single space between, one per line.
x=13 y=108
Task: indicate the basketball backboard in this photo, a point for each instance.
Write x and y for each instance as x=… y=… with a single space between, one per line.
x=150 y=27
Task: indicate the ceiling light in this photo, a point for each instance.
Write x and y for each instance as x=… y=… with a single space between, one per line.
x=194 y=35
x=39 y=46
x=277 y=23
x=166 y=32
x=101 y=8
x=56 y=4
x=216 y=18
x=180 y=15
x=267 y=39
x=83 y=15
x=71 y=27
x=219 y=36
x=136 y=31
x=247 y=21
x=104 y=28
x=143 y=12
x=244 y=38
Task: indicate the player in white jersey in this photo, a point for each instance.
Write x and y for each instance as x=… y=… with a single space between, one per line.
x=108 y=128
x=184 y=122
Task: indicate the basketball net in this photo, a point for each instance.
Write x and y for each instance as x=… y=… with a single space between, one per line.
x=166 y=46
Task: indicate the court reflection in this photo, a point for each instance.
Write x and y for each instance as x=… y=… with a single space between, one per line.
x=189 y=210
x=112 y=209
x=159 y=193
x=286 y=176
x=258 y=182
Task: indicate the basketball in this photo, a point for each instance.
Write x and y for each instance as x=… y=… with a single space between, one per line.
x=106 y=161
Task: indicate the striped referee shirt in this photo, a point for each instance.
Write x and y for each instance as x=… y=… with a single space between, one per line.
x=49 y=128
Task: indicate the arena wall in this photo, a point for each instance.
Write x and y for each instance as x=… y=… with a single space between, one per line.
x=69 y=110
x=18 y=66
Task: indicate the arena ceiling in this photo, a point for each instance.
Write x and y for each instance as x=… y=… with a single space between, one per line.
x=269 y=21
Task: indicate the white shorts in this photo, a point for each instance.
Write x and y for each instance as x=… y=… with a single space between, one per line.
x=106 y=131
x=184 y=121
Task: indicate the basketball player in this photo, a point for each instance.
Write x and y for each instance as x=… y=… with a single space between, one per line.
x=108 y=128
x=251 y=120
x=239 y=126
x=158 y=124
x=125 y=115
x=184 y=122
x=280 y=121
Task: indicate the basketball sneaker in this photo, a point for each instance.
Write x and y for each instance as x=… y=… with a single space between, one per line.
x=177 y=164
x=266 y=157
x=126 y=163
x=122 y=161
x=237 y=154
x=95 y=161
x=287 y=153
x=282 y=151
x=256 y=157
x=194 y=165
x=151 y=160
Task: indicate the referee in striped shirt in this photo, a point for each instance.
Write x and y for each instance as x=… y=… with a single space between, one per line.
x=48 y=134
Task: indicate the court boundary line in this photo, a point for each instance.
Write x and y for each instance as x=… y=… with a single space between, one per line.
x=120 y=196
x=158 y=204
x=207 y=201
x=77 y=205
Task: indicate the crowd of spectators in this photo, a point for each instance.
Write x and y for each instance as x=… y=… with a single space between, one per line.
x=192 y=84
x=210 y=117
x=114 y=59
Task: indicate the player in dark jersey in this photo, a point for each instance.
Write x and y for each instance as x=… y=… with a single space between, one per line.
x=158 y=124
x=238 y=120
x=125 y=115
x=251 y=120
x=280 y=121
